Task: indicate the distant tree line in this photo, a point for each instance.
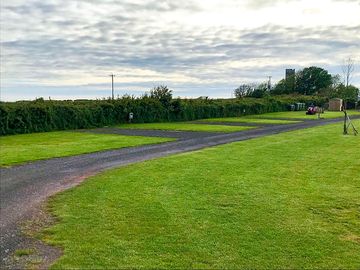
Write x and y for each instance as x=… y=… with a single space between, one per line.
x=308 y=81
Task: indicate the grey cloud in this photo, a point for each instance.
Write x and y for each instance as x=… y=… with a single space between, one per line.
x=160 y=6
x=170 y=50
x=27 y=9
x=126 y=5
x=66 y=41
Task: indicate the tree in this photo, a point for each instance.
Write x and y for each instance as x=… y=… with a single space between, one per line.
x=260 y=91
x=252 y=90
x=243 y=90
x=162 y=93
x=348 y=69
x=283 y=87
x=311 y=80
x=290 y=82
x=332 y=91
x=336 y=81
x=348 y=93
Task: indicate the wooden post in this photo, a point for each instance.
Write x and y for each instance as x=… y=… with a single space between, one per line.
x=345 y=123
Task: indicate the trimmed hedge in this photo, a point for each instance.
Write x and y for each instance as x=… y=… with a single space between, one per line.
x=40 y=115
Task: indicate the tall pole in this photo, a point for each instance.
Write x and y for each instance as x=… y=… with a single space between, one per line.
x=269 y=82
x=112 y=85
x=345 y=123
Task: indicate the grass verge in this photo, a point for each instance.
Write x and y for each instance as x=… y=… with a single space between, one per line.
x=284 y=201
x=185 y=127
x=302 y=115
x=17 y=149
x=249 y=120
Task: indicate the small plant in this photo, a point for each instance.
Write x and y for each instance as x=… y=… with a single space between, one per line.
x=23 y=252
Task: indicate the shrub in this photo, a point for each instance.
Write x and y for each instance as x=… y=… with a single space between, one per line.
x=41 y=115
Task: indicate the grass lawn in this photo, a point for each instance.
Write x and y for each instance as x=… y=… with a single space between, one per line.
x=302 y=115
x=249 y=120
x=284 y=201
x=185 y=127
x=28 y=147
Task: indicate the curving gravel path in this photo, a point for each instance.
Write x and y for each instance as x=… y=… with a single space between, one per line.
x=25 y=187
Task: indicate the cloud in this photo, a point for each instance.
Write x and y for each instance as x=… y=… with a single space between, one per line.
x=69 y=43
x=265 y=3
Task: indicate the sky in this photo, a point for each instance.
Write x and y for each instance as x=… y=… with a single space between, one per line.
x=66 y=49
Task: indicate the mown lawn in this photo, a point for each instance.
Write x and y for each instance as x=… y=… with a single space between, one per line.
x=249 y=120
x=180 y=126
x=284 y=201
x=302 y=115
x=16 y=149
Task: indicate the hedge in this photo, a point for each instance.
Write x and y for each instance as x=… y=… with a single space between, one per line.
x=47 y=115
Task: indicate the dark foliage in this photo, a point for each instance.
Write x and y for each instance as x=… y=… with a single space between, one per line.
x=308 y=81
x=40 y=115
x=244 y=90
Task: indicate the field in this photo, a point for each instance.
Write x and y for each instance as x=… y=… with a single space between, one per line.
x=16 y=149
x=284 y=201
x=185 y=127
x=302 y=115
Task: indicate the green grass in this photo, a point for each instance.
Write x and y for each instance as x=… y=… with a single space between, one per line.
x=302 y=115
x=29 y=147
x=249 y=120
x=286 y=201
x=185 y=127
x=23 y=252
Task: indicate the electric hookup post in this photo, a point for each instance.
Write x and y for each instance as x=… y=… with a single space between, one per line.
x=131 y=117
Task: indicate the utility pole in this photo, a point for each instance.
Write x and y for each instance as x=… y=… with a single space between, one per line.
x=269 y=83
x=112 y=85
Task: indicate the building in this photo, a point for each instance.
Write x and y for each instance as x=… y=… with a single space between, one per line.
x=290 y=79
x=335 y=104
x=289 y=73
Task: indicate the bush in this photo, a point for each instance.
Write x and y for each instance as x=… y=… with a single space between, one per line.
x=40 y=115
